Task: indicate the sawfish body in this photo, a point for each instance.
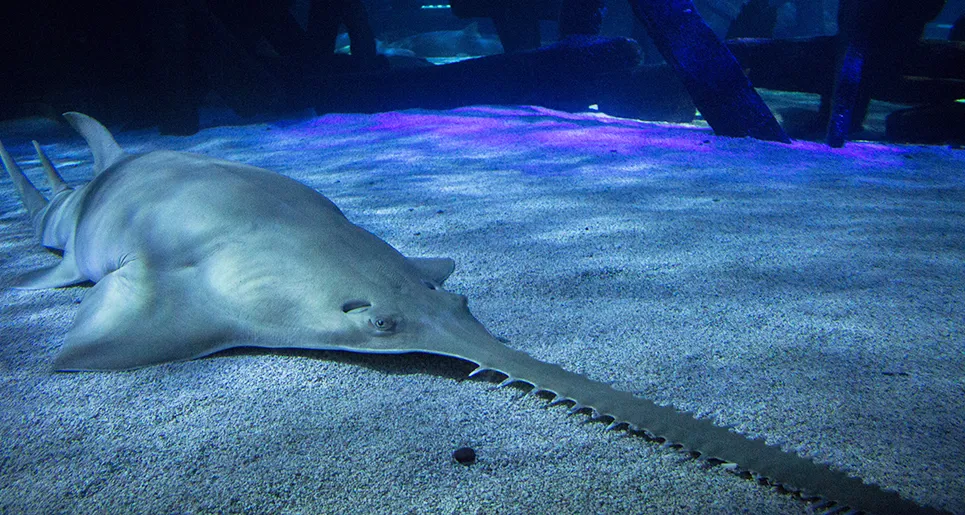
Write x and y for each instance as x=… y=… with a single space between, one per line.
x=191 y=255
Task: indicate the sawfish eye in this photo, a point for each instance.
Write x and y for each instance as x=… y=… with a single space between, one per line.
x=429 y=285
x=383 y=324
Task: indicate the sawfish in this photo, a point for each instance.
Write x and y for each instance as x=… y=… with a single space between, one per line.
x=191 y=255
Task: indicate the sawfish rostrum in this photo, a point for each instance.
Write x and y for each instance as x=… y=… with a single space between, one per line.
x=191 y=255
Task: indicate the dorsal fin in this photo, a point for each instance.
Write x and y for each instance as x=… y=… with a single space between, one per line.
x=106 y=150
x=57 y=183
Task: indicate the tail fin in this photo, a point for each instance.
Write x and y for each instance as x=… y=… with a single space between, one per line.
x=32 y=199
x=102 y=144
x=57 y=183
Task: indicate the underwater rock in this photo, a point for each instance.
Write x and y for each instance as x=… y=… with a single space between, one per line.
x=803 y=64
x=648 y=92
x=931 y=124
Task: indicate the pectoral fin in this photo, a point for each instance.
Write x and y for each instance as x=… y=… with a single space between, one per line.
x=135 y=317
x=60 y=275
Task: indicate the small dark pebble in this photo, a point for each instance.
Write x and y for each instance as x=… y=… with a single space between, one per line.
x=464 y=455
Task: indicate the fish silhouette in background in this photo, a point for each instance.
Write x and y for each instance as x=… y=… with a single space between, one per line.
x=467 y=42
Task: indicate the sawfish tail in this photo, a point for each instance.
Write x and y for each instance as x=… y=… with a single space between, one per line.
x=32 y=199
x=35 y=201
x=700 y=436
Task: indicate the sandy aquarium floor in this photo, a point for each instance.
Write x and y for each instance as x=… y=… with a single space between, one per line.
x=808 y=296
